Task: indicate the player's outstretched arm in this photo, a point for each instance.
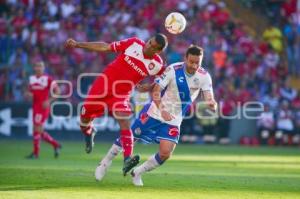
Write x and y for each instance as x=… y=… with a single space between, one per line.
x=210 y=100
x=93 y=46
x=145 y=87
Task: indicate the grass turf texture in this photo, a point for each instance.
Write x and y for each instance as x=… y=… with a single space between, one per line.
x=193 y=172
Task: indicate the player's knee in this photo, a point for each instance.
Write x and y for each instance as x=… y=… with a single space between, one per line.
x=84 y=127
x=85 y=122
x=124 y=124
x=38 y=129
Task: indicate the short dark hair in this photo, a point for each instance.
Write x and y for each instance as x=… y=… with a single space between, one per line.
x=162 y=40
x=194 y=50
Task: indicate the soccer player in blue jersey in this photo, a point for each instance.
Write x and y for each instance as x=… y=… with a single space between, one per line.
x=159 y=122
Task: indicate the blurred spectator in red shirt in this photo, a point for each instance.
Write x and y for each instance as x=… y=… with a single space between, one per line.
x=288 y=8
x=19 y=21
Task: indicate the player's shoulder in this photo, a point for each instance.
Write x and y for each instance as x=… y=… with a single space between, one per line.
x=203 y=74
x=47 y=76
x=172 y=67
x=137 y=40
x=176 y=65
x=158 y=59
x=202 y=71
x=129 y=41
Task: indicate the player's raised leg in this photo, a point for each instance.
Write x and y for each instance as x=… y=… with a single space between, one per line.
x=94 y=106
x=166 y=148
x=126 y=139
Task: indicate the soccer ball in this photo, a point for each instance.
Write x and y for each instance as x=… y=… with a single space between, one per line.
x=175 y=23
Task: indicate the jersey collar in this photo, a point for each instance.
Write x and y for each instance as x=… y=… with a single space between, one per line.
x=186 y=73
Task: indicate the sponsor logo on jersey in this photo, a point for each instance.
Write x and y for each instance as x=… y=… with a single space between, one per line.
x=163 y=76
x=134 y=66
x=151 y=66
x=173 y=131
x=181 y=79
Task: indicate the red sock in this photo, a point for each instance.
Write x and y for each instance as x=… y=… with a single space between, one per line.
x=87 y=130
x=36 y=143
x=47 y=138
x=127 y=142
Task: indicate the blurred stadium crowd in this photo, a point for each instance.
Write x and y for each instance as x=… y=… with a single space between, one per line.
x=244 y=67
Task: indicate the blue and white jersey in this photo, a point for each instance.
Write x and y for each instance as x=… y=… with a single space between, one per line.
x=171 y=99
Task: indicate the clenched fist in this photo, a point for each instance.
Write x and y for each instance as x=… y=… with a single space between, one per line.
x=212 y=105
x=71 y=43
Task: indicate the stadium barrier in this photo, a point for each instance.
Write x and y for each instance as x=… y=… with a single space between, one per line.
x=16 y=123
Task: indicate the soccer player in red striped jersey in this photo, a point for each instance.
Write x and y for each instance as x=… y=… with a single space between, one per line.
x=40 y=85
x=111 y=90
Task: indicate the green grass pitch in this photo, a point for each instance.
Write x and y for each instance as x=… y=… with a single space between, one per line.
x=193 y=172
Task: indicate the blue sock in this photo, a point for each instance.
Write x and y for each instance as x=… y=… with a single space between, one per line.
x=157 y=158
x=117 y=142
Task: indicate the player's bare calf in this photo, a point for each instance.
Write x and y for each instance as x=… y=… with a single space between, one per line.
x=89 y=141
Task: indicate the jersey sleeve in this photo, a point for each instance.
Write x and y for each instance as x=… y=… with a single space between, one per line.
x=164 y=79
x=160 y=64
x=207 y=83
x=120 y=46
x=161 y=71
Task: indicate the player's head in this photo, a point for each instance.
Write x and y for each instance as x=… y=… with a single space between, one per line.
x=39 y=68
x=156 y=44
x=193 y=58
